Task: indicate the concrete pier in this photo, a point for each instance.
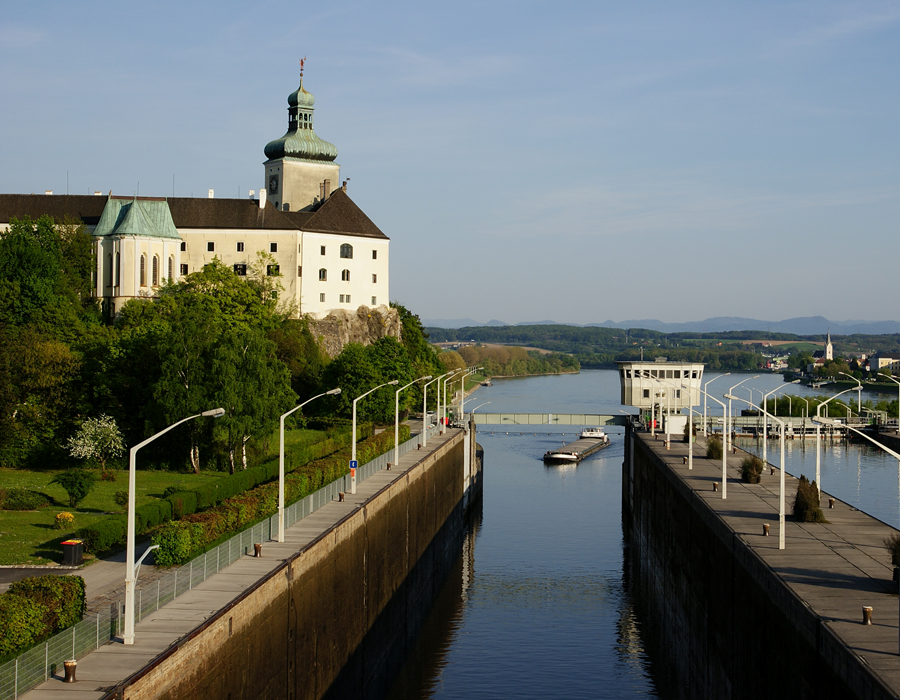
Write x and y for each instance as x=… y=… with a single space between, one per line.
x=742 y=618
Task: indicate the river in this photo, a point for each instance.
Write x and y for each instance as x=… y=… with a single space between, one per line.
x=539 y=604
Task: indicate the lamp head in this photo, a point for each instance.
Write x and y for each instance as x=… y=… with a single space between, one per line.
x=214 y=413
x=333 y=392
x=428 y=377
x=394 y=382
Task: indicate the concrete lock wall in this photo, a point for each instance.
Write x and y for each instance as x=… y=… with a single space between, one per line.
x=729 y=627
x=337 y=619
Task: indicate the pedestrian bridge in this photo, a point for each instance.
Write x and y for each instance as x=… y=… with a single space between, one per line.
x=583 y=419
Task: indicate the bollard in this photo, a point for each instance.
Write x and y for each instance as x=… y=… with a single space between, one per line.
x=341 y=497
x=831 y=503
x=667 y=444
x=257 y=550
x=771 y=471
x=765 y=529
x=684 y=460
x=389 y=464
x=867 y=614
x=420 y=446
x=715 y=486
x=733 y=450
x=70 y=670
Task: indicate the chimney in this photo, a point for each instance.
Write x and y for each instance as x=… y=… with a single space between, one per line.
x=327 y=188
x=211 y=194
x=262 y=198
x=97 y=193
x=252 y=194
x=344 y=186
x=48 y=191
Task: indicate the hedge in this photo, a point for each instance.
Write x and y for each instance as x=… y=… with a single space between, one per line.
x=37 y=607
x=180 y=541
x=22 y=499
x=108 y=532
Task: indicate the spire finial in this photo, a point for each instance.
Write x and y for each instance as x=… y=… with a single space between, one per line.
x=302 y=62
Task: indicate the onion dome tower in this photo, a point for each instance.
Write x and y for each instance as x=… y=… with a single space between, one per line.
x=300 y=172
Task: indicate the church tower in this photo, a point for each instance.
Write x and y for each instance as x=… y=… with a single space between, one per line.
x=300 y=171
x=829 y=350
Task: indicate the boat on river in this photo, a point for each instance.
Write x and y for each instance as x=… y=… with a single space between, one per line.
x=589 y=440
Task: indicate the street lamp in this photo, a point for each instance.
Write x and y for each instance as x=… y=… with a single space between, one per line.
x=462 y=401
x=449 y=377
x=819 y=436
x=726 y=441
x=859 y=396
x=353 y=464
x=781 y=484
x=765 y=403
x=333 y=392
x=425 y=407
x=131 y=570
x=397 y=417
x=724 y=451
x=705 y=387
x=898 y=398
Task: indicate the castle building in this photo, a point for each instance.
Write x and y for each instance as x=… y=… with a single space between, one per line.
x=329 y=254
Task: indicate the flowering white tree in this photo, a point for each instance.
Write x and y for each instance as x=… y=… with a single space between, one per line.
x=97 y=438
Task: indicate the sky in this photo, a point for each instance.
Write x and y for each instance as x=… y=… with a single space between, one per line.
x=571 y=161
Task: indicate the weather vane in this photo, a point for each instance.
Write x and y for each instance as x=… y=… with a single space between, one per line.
x=302 y=61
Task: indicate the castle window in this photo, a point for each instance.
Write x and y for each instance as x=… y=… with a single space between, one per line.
x=272 y=270
x=323 y=275
x=171 y=268
x=110 y=268
x=347 y=251
x=345 y=275
x=143 y=275
x=183 y=246
x=374 y=278
x=322 y=298
x=240 y=247
x=345 y=298
x=273 y=247
x=240 y=269
x=210 y=246
x=299 y=271
x=155 y=272
x=374 y=303
x=374 y=255
x=322 y=250
x=118 y=269
x=184 y=269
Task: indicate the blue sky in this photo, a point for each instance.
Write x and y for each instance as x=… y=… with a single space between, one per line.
x=575 y=161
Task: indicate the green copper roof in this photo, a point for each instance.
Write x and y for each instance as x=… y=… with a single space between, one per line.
x=301 y=141
x=136 y=217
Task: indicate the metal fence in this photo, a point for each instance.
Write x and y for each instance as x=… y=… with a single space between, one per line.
x=39 y=663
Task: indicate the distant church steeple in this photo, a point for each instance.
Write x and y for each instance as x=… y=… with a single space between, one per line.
x=300 y=170
x=829 y=349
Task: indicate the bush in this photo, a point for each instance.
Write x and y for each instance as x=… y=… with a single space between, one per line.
x=37 y=607
x=77 y=483
x=121 y=499
x=714 y=448
x=807 y=507
x=63 y=521
x=751 y=469
x=103 y=534
x=24 y=499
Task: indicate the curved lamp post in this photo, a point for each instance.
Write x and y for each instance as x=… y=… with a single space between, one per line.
x=705 y=395
x=450 y=377
x=726 y=439
x=898 y=399
x=781 y=483
x=765 y=402
x=130 y=568
x=353 y=464
x=397 y=418
x=724 y=451
x=859 y=396
x=333 y=392
x=462 y=400
x=425 y=407
x=819 y=435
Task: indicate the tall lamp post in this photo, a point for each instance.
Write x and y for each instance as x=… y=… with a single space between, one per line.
x=705 y=395
x=724 y=451
x=819 y=435
x=765 y=404
x=781 y=486
x=449 y=378
x=397 y=417
x=130 y=568
x=462 y=400
x=425 y=407
x=859 y=396
x=898 y=399
x=333 y=392
x=353 y=464
x=726 y=442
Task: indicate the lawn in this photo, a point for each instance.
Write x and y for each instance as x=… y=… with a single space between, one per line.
x=28 y=537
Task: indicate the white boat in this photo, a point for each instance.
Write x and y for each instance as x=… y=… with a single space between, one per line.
x=595 y=433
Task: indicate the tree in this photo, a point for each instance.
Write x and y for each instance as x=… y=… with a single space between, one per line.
x=77 y=483
x=99 y=439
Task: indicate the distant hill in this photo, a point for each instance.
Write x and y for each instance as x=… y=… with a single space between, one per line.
x=808 y=325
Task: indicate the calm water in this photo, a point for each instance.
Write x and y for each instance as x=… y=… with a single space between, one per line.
x=539 y=604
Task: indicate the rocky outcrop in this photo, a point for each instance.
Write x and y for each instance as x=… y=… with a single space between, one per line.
x=364 y=326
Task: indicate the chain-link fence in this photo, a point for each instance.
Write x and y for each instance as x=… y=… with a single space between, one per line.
x=39 y=663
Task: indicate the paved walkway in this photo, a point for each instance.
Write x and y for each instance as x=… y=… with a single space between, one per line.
x=835 y=568
x=112 y=663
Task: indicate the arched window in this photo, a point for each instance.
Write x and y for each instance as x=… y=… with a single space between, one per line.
x=346 y=250
x=143 y=276
x=155 y=273
x=323 y=274
x=109 y=267
x=345 y=275
x=118 y=270
x=171 y=268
